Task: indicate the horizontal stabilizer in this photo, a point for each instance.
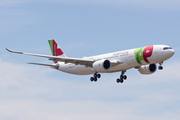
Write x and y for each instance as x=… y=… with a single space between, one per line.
x=54 y=66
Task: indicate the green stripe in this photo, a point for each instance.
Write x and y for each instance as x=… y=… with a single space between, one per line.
x=139 y=54
x=51 y=45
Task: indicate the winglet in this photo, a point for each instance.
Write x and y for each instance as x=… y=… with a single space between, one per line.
x=14 y=51
x=8 y=50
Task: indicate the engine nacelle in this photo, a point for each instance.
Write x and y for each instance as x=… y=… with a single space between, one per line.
x=147 y=69
x=101 y=65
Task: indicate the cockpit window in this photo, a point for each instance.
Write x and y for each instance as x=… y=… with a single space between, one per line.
x=166 y=48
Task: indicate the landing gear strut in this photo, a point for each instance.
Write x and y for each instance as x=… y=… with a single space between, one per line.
x=122 y=77
x=160 y=67
x=96 y=76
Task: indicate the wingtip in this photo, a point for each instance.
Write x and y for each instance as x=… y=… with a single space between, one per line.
x=8 y=50
x=14 y=51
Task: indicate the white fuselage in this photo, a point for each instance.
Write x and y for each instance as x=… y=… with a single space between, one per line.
x=128 y=58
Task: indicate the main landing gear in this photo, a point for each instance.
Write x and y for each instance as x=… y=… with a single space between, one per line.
x=96 y=76
x=160 y=67
x=119 y=80
x=122 y=77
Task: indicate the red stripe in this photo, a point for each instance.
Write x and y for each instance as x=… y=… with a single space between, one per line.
x=147 y=53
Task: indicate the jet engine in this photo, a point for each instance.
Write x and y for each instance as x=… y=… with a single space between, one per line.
x=147 y=69
x=101 y=65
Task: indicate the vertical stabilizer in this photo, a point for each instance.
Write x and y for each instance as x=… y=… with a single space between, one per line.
x=55 y=49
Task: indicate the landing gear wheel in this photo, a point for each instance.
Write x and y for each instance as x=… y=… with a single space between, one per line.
x=121 y=80
x=124 y=77
x=118 y=80
x=98 y=75
x=92 y=79
x=160 y=67
x=95 y=79
x=95 y=75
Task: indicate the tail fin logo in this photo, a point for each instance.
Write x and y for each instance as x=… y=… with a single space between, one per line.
x=55 y=49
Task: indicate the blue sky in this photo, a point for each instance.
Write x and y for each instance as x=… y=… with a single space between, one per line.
x=86 y=28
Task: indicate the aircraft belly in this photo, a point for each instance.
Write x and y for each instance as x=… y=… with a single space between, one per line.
x=76 y=69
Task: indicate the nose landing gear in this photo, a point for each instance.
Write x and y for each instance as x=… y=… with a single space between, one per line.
x=160 y=67
x=96 y=76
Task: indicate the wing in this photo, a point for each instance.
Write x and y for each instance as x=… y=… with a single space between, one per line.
x=77 y=61
x=115 y=62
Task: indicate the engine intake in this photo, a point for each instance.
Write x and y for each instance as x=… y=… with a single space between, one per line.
x=101 y=65
x=147 y=69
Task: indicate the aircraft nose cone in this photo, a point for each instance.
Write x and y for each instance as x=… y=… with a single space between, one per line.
x=171 y=52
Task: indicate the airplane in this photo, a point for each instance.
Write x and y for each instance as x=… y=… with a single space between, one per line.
x=144 y=59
